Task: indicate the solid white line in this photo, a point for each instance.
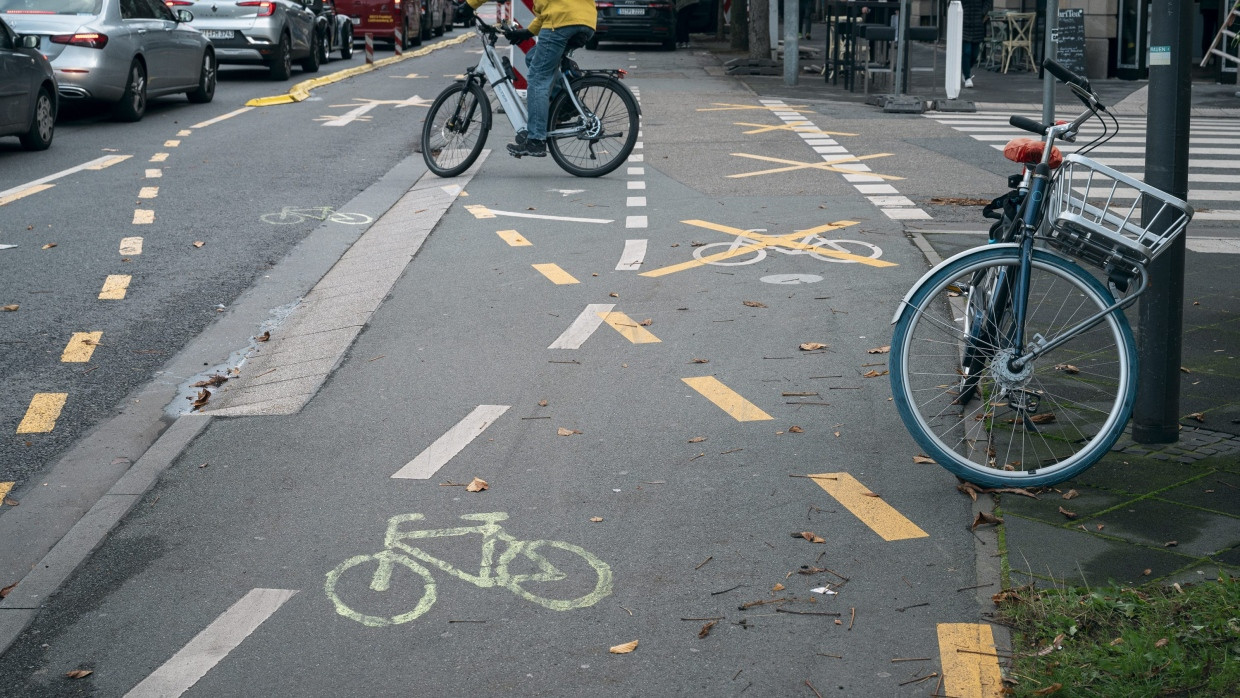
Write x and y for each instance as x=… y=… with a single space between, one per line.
x=518 y=214
x=220 y=118
x=1213 y=245
x=429 y=461
x=211 y=645
x=584 y=326
x=96 y=164
x=633 y=255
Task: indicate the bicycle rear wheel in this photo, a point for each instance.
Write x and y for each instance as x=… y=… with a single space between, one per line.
x=456 y=129
x=610 y=131
x=995 y=425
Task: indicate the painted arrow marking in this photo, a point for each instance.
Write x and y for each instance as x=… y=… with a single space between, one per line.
x=482 y=212
x=445 y=448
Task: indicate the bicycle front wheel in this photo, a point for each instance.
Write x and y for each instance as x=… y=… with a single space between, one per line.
x=987 y=421
x=608 y=135
x=456 y=129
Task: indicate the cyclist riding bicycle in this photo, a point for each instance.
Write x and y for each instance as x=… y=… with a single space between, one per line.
x=559 y=25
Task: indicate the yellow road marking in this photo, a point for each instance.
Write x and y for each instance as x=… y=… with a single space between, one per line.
x=159 y=157
x=24 y=193
x=873 y=511
x=829 y=165
x=148 y=192
x=143 y=216
x=184 y=132
x=727 y=399
x=103 y=164
x=479 y=211
x=725 y=106
x=5 y=488
x=80 y=347
x=555 y=274
x=114 y=287
x=42 y=413
x=629 y=328
x=131 y=246
x=763 y=128
x=513 y=238
x=171 y=144
x=970 y=673
x=154 y=174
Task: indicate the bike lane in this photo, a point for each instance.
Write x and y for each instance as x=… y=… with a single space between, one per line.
x=646 y=418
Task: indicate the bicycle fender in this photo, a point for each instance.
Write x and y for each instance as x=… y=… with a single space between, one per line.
x=904 y=302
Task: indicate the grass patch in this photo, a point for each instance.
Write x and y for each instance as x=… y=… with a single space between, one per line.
x=1124 y=641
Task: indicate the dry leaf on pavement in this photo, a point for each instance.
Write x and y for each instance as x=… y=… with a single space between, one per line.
x=647 y=322
x=625 y=648
x=5 y=591
x=49 y=245
x=596 y=519
x=476 y=485
x=701 y=361
x=1199 y=416
x=810 y=536
x=542 y=403
x=986 y=518
x=567 y=432
x=263 y=337
x=1071 y=494
x=923 y=459
x=795 y=430
x=198 y=243
x=78 y=674
x=10 y=308
x=1069 y=514
x=697 y=439
x=812 y=346
x=754 y=304
x=706 y=628
x=879 y=350
x=199 y=402
x=777 y=587
x=1067 y=368
x=969 y=489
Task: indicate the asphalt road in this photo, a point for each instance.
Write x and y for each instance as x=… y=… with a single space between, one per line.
x=657 y=460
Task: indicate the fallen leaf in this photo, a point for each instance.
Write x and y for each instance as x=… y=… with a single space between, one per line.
x=9 y=501
x=1147 y=572
x=879 y=350
x=78 y=674
x=49 y=245
x=1116 y=641
x=217 y=379
x=1069 y=514
x=567 y=432
x=1067 y=368
x=198 y=243
x=985 y=518
x=754 y=304
x=1162 y=642
x=5 y=591
x=701 y=361
x=873 y=374
x=705 y=629
x=647 y=322
x=1044 y=418
x=614 y=295
x=625 y=648
x=542 y=403
x=1184 y=370
x=596 y=519
x=476 y=485
x=838 y=621
x=10 y=308
x=777 y=587
x=697 y=439
x=201 y=401
x=1171 y=544
x=795 y=430
x=263 y=337
x=809 y=536
x=1070 y=494
x=812 y=346
x=1199 y=416
x=1100 y=526
x=872 y=494
x=969 y=489
x=1053 y=688
x=923 y=459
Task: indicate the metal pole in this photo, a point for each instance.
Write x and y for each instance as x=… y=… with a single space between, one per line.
x=792 y=43
x=1156 y=412
x=772 y=12
x=1048 y=80
x=902 y=50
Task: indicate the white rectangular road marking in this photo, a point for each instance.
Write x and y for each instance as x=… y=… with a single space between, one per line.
x=195 y=659
x=636 y=171
x=220 y=118
x=429 y=461
x=635 y=222
x=584 y=326
x=96 y=164
x=636 y=184
x=635 y=201
x=633 y=256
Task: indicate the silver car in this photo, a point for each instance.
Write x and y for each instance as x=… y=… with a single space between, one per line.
x=274 y=33
x=119 y=51
x=27 y=90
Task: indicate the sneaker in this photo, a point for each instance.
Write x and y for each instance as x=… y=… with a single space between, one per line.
x=968 y=82
x=527 y=146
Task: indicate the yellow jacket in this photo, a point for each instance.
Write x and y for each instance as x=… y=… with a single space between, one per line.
x=554 y=14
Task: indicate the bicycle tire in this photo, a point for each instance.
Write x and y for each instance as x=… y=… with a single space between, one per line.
x=456 y=129
x=1000 y=434
x=529 y=549
x=379 y=582
x=700 y=252
x=606 y=141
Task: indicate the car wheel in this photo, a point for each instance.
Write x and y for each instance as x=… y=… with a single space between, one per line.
x=43 y=126
x=133 y=102
x=346 y=46
x=310 y=63
x=206 y=81
x=282 y=64
x=426 y=27
x=325 y=46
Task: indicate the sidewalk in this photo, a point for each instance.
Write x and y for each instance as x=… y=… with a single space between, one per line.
x=1168 y=513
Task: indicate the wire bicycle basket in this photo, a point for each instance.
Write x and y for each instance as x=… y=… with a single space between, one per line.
x=1090 y=218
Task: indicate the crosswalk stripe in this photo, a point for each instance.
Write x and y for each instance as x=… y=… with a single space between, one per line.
x=970 y=663
x=881 y=517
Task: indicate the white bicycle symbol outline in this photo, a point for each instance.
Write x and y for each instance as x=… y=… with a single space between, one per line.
x=291 y=215
x=398 y=551
x=703 y=253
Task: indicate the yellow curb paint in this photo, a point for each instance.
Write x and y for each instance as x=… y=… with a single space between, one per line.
x=480 y=212
x=148 y=192
x=513 y=238
x=114 y=287
x=5 y=488
x=154 y=174
x=42 y=414
x=131 y=246
x=966 y=674
x=301 y=90
x=171 y=144
x=143 y=216
x=81 y=347
x=727 y=399
x=880 y=516
x=24 y=193
x=103 y=164
x=159 y=157
x=557 y=275
x=629 y=328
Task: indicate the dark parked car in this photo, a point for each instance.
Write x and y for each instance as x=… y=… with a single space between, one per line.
x=635 y=21
x=28 y=95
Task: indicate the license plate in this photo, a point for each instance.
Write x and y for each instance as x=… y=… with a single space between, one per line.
x=630 y=10
x=217 y=33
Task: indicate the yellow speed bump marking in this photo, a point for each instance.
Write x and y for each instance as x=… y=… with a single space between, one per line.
x=81 y=347
x=513 y=238
x=114 y=287
x=880 y=516
x=301 y=90
x=970 y=667
x=24 y=193
x=829 y=165
x=725 y=106
x=763 y=128
x=42 y=414
x=629 y=328
x=727 y=399
x=555 y=274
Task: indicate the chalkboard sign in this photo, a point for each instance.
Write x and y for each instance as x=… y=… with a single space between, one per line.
x=1069 y=38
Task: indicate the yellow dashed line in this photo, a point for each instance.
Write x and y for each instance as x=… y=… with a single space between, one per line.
x=171 y=144
x=131 y=246
x=627 y=327
x=42 y=414
x=727 y=399
x=109 y=162
x=143 y=216
x=114 y=287
x=81 y=347
x=159 y=157
x=970 y=667
x=148 y=192
x=871 y=509
x=154 y=174
x=24 y=193
x=479 y=211
x=513 y=238
x=555 y=274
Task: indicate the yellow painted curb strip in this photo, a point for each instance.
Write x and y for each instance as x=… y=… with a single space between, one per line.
x=871 y=509
x=970 y=669
x=301 y=90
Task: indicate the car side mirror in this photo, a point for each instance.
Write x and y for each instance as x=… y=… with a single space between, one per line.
x=185 y=16
x=28 y=41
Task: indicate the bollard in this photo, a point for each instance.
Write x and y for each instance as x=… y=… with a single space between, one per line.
x=370 y=48
x=398 y=41
x=955 y=44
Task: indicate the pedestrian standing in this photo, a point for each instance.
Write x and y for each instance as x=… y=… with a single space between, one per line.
x=684 y=9
x=973 y=32
x=806 y=19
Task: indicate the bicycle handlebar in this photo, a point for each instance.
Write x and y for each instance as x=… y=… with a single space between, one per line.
x=1080 y=86
x=1026 y=124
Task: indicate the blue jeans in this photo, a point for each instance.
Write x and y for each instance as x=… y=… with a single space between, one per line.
x=543 y=61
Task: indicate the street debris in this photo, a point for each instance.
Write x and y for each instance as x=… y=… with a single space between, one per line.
x=1069 y=514
x=697 y=439
x=761 y=602
x=5 y=591
x=78 y=674
x=985 y=518
x=700 y=361
x=1070 y=494
x=1067 y=368
x=812 y=346
x=795 y=430
x=49 y=245
x=1199 y=416
x=777 y=587
x=703 y=562
x=809 y=536
x=753 y=304
x=567 y=432
x=198 y=243
x=879 y=350
x=923 y=459
x=625 y=648
x=476 y=485
x=199 y=402
x=874 y=374
x=10 y=308
x=596 y=519
x=263 y=337
x=823 y=590
x=211 y=382
x=706 y=628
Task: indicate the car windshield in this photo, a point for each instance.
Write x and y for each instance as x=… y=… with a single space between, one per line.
x=51 y=7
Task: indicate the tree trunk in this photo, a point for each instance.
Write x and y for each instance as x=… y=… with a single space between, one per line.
x=740 y=25
x=759 y=29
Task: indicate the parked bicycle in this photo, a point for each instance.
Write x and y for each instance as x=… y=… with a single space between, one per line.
x=594 y=116
x=1011 y=363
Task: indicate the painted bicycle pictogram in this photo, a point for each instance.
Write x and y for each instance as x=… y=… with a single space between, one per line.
x=290 y=215
x=744 y=250
x=522 y=567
